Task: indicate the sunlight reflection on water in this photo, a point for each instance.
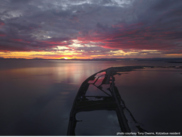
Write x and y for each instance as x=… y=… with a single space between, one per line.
x=36 y=96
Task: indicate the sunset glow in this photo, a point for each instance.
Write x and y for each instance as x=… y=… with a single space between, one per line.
x=90 y=29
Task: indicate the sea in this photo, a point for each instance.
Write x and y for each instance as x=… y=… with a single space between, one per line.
x=36 y=96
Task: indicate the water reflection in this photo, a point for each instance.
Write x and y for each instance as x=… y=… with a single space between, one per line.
x=101 y=122
x=154 y=97
x=36 y=96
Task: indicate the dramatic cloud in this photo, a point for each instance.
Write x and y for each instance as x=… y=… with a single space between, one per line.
x=90 y=28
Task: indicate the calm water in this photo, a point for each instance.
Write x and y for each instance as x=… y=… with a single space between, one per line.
x=36 y=97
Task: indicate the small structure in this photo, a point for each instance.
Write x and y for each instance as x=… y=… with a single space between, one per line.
x=112 y=100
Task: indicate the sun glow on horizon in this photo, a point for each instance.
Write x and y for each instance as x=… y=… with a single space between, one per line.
x=85 y=54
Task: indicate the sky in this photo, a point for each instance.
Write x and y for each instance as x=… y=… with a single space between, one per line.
x=89 y=29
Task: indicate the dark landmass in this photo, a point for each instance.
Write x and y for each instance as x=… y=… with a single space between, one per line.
x=169 y=60
x=175 y=61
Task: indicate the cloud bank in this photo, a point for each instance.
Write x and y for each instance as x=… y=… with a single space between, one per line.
x=114 y=28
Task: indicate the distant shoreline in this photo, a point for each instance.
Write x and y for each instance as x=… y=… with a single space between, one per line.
x=169 y=60
x=175 y=62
